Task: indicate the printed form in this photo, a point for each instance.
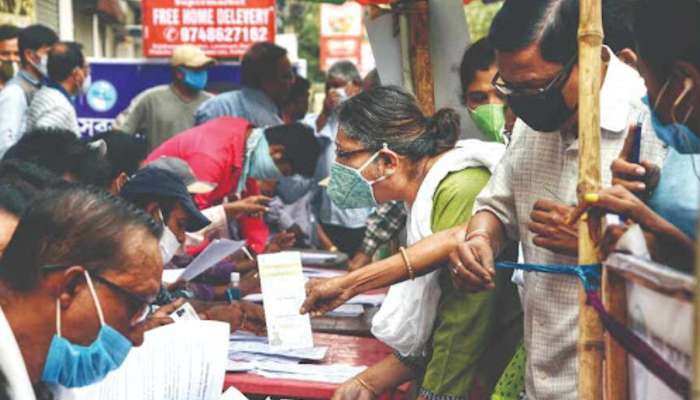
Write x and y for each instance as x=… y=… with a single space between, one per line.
x=282 y=283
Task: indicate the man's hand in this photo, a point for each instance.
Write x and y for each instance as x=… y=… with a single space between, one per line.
x=248 y=206
x=358 y=261
x=331 y=102
x=159 y=318
x=472 y=265
x=281 y=241
x=240 y=316
x=548 y=221
x=324 y=295
x=640 y=179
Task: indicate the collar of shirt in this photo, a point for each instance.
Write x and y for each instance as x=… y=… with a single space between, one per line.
x=261 y=98
x=60 y=88
x=620 y=83
x=29 y=78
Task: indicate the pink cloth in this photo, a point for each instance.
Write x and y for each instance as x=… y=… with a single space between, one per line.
x=215 y=151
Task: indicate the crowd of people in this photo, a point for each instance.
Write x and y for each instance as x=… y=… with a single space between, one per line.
x=87 y=225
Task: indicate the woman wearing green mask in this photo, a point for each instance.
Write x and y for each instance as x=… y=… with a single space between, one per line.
x=387 y=150
x=486 y=105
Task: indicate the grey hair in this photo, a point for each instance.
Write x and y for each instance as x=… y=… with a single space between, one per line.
x=344 y=70
x=387 y=114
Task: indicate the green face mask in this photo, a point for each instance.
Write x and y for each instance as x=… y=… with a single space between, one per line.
x=490 y=119
x=8 y=69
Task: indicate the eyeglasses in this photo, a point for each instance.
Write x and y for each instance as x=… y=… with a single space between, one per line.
x=140 y=304
x=557 y=81
x=347 y=154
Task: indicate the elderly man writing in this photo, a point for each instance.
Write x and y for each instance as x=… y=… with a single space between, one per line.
x=68 y=301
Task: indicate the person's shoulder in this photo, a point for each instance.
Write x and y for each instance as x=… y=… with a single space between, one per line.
x=465 y=181
x=12 y=89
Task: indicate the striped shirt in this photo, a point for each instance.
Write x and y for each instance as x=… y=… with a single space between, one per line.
x=51 y=109
x=540 y=165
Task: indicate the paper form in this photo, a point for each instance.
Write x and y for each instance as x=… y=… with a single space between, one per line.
x=180 y=361
x=212 y=255
x=282 y=284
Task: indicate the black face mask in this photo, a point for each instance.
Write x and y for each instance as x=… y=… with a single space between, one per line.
x=544 y=112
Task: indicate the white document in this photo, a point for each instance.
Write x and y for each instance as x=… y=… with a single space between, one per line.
x=369 y=299
x=283 y=292
x=332 y=373
x=180 y=361
x=212 y=255
x=232 y=394
x=172 y=275
x=313 y=353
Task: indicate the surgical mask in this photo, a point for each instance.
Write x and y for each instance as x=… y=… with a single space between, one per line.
x=196 y=80
x=260 y=162
x=42 y=66
x=349 y=189
x=87 y=82
x=72 y=365
x=8 y=69
x=169 y=245
x=490 y=119
x=676 y=134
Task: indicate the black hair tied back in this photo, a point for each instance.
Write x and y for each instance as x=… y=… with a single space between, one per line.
x=443 y=129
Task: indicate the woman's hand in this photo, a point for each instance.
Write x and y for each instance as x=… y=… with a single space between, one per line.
x=324 y=295
x=617 y=200
x=353 y=390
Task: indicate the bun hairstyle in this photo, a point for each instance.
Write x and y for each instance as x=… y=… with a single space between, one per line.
x=387 y=114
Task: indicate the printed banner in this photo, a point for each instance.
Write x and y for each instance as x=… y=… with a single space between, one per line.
x=222 y=28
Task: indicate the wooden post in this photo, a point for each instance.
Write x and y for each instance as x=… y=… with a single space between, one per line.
x=590 y=335
x=695 y=392
x=420 y=54
x=615 y=302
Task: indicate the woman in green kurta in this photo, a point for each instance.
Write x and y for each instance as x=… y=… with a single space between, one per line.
x=388 y=150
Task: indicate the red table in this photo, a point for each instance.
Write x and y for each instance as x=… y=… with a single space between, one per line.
x=342 y=350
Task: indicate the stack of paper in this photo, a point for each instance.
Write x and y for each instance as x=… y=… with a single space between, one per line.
x=180 y=361
x=331 y=373
x=347 y=310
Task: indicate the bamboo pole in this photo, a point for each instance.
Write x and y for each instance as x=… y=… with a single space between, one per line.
x=420 y=54
x=590 y=38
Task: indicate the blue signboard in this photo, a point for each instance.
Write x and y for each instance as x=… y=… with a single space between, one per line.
x=116 y=82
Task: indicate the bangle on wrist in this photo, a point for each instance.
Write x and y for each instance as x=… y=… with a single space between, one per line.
x=366 y=385
x=407 y=263
x=483 y=233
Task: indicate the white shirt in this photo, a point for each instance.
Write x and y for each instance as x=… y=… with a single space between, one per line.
x=541 y=165
x=51 y=109
x=12 y=364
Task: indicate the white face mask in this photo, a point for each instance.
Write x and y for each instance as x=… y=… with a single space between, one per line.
x=87 y=82
x=169 y=245
x=42 y=66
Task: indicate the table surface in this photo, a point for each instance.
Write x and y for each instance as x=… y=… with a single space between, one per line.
x=342 y=350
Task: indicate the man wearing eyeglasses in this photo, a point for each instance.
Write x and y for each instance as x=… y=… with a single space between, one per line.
x=532 y=191
x=79 y=270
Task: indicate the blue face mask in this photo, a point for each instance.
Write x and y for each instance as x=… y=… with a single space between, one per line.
x=260 y=162
x=196 y=80
x=72 y=365
x=676 y=135
x=349 y=189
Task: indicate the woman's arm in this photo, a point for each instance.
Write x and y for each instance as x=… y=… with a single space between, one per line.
x=379 y=378
x=326 y=295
